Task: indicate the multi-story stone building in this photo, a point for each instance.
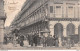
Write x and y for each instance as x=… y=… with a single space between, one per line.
x=2 y=21
x=54 y=17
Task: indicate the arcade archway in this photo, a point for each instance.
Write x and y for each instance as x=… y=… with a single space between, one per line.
x=70 y=29
x=58 y=30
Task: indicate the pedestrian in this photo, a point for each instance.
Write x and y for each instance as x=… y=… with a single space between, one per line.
x=51 y=41
x=41 y=40
x=68 y=43
x=18 y=39
x=26 y=42
x=21 y=40
x=14 y=40
x=5 y=39
x=48 y=40
x=44 y=41
x=31 y=40
x=56 y=41
x=72 y=43
x=38 y=40
x=35 y=39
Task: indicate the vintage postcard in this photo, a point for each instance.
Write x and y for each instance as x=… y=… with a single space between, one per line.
x=39 y=24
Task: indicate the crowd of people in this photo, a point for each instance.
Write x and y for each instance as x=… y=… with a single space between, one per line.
x=33 y=40
x=36 y=40
x=44 y=41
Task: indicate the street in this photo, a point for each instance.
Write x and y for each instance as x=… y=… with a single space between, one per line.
x=11 y=47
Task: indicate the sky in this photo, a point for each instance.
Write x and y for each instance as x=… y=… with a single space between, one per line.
x=12 y=8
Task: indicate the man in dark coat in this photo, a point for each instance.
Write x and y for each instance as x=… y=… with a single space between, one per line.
x=35 y=39
x=5 y=40
x=38 y=40
x=44 y=41
x=31 y=40
x=49 y=40
x=21 y=40
x=56 y=41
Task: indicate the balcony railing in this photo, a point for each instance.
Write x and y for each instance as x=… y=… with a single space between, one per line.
x=63 y=15
x=56 y=17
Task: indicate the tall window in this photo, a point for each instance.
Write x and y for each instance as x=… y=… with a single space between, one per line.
x=58 y=12
x=70 y=11
x=51 y=9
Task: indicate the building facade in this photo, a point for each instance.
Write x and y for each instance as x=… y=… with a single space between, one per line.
x=2 y=21
x=54 y=17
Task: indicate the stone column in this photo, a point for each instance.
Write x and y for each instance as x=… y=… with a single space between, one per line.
x=2 y=19
x=76 y=29
x=64 y=31
x=51 y=27
x=1 y=32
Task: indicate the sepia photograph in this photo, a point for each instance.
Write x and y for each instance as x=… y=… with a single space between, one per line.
x=39 y=24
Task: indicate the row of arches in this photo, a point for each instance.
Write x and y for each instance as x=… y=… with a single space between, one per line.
x=70 y=29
